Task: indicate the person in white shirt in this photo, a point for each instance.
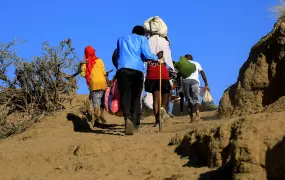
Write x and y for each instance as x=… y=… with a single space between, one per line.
x=191 y=87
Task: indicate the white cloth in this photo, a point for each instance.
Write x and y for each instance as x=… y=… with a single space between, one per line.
x=195 y=75
x=156 y=25
x=144 y=75
x=157 y=44
x=148 y=100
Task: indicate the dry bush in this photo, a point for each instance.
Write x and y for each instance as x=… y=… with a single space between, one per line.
x=40 y=86
x=279 y=9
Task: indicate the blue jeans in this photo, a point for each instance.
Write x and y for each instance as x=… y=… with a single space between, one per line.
x=170 y=107
x=170 y=104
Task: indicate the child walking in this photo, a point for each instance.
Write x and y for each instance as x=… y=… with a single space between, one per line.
x=96 y=77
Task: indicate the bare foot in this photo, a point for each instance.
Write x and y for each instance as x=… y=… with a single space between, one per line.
x=197 y=116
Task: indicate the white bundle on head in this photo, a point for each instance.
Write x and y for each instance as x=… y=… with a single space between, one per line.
x=155 y=25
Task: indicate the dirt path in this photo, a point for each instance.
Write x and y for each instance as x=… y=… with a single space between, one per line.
x=51 y=149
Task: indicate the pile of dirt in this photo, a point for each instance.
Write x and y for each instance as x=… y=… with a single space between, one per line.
x=261 y=80
x=250 y=147
x=251 y=144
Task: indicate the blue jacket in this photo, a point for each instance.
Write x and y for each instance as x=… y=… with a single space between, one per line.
x=131 y=52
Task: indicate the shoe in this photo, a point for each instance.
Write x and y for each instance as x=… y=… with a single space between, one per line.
x=129 y=127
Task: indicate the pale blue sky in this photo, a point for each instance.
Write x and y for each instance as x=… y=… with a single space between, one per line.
x=219 y=34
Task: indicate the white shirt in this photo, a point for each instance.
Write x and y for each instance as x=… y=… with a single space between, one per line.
x=157 y=44
x=195 y=75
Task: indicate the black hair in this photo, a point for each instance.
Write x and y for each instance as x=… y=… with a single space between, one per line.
x=189 y=57
x=139 y=30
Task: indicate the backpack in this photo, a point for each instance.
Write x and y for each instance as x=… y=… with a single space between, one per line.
x=185 y=67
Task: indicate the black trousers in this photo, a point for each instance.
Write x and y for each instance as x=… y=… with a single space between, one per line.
x=130 y=85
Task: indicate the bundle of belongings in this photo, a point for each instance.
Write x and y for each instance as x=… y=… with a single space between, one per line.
x=112 y=99
x=155 y=25
x=184 y=67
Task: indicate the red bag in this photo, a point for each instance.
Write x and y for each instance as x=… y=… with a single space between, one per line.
x=112 y=98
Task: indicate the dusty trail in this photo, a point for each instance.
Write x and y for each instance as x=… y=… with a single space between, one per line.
x=51 y=149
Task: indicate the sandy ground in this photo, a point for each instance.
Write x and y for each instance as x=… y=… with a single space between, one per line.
x=52 y=149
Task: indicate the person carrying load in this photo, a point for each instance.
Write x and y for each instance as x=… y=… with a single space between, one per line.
x=189 y=70
x=157 y=78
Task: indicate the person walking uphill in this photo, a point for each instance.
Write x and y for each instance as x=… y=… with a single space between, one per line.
x=158 y=43
x=94 y=72
x=191 y=85
x=131 y=50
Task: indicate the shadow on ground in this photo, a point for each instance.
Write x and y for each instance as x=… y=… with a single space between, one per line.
x=211 y=118
x=81 y=125
x=275 y=158
x=223 y=173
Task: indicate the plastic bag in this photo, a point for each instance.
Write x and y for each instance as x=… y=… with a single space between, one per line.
x=208 y=102
x=207 y=99
x=112 y=98
x=148 y=100
x=156 y=25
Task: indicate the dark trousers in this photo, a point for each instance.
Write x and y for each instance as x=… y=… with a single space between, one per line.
x=130 y=85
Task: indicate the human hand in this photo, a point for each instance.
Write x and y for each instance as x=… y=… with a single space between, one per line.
x=160 y=54
x=207 y=88
x=161 y=61
x=68 y=77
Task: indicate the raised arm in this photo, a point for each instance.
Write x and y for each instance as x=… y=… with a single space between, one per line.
x=145 y=48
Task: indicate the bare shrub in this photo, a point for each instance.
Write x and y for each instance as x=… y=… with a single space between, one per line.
x=39 y=87
x=279 y=9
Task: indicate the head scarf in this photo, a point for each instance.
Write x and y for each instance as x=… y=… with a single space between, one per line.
x=91 y=60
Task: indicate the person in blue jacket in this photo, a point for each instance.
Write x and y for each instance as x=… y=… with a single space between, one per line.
x=132 y=51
